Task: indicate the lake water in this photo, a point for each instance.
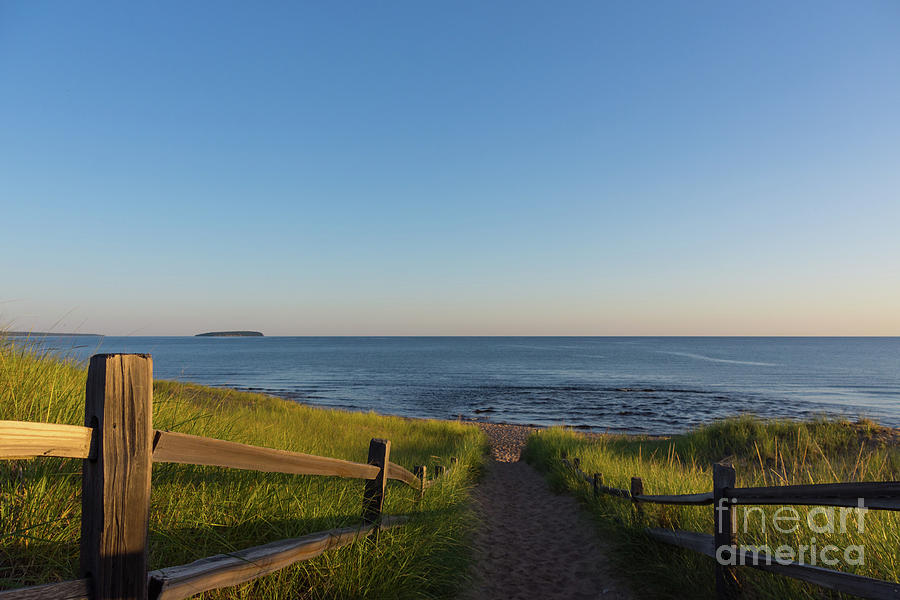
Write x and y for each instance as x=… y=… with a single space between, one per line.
x=622 y=384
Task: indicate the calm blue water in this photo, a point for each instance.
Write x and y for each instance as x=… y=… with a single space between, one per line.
x=648 y=385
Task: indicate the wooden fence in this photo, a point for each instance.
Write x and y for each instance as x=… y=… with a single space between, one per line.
x=119 y=446
x=723 y=543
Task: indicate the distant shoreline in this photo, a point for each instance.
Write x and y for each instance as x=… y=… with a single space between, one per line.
x=48 y=334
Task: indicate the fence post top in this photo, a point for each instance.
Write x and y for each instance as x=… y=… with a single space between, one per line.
x=724 y=474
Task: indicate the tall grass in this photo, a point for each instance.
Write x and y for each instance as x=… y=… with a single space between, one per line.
x=200 y=511
x=763 y=453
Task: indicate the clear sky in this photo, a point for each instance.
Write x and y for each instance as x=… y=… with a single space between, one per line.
x=596 y=168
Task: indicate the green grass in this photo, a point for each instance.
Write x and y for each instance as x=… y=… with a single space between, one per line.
x=763 y=453
x=201 y=511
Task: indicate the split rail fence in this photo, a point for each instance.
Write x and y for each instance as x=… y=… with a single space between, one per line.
x=119 y=446
x=723 y=543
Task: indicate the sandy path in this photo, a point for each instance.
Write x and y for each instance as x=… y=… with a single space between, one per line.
x=533 y=543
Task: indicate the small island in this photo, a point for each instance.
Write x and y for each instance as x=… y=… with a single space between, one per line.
x=230 y=334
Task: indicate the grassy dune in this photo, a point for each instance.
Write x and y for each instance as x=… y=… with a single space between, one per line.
x=763 y=453
x=200 y=511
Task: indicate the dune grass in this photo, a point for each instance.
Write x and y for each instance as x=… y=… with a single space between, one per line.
x=201 y=511
x=763 y=452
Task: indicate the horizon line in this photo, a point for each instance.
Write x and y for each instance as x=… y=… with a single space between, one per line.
x=522 y=335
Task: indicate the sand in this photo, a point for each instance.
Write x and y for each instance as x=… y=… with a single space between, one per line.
x=507 y=441
x=533 y=543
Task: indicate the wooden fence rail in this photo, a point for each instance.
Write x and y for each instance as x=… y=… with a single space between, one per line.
x=857 y=585
x=118 y=446
x=20 y=439
x=882 y=495
x=169 y=447
x=225 y=570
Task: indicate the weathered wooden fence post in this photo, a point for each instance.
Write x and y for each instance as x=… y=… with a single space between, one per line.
x=724 y=518
x=576 y=463
x=419 y=471
x=115 y=492
x=637 y=488
x=598 y=481
x=373 y=496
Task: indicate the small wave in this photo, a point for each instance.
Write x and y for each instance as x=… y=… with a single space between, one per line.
x=636 y=413
x=644 y=390
x=719 y=360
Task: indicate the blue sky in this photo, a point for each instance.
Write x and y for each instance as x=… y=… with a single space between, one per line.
x=709 y=168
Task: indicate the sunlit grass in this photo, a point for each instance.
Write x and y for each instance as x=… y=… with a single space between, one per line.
x=763 y=453
x=200 y=511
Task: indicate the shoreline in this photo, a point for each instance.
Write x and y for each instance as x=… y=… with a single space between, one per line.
x=586 y=430
x=891 y=434
x=507 y=437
